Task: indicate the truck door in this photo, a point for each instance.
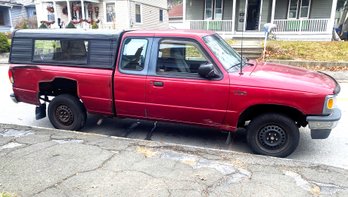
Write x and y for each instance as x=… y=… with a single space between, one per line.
x=176 y=92
x=130 y=76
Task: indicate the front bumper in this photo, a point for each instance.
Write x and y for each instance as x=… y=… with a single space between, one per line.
x=13 y=97
x=321 y=126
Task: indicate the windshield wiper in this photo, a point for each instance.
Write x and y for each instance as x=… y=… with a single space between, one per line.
x=234 y=65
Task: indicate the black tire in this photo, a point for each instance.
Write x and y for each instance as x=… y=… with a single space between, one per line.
x=67 y=112
x=273 y=135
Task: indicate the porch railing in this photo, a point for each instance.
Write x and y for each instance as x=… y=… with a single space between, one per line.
x=214 y=25
x=302 y=25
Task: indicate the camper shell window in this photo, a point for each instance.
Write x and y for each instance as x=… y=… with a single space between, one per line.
x=74 y=51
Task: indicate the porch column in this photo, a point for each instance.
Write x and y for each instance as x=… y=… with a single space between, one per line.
x=331 y=22
x=273 y=10
x=69 y=11
x=83 y=13
x=184 y=11
x=234 y=16
x=83 y=9
x=10 y=17
x=55 y=15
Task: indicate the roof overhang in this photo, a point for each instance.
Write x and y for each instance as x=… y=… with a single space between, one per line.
x=91 y=1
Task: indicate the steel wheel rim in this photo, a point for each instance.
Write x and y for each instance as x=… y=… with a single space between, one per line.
x=272 y=137
x=64 y=115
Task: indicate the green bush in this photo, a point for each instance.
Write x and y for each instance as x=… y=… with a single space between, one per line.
x=70 y=25
x=43 y=26
x=4 y=43
x=22 y=24
x=95 y=25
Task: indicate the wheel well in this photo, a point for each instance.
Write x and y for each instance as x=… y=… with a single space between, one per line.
x=58 y=86
x=257 y=110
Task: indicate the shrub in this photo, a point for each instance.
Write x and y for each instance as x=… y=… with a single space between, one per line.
x=70 y=25
x=4 y=43
x=43 y=26
x=95 y=25
x=22 y=24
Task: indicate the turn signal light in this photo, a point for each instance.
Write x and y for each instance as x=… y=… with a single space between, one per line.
x=330 y=103
x=10 y=76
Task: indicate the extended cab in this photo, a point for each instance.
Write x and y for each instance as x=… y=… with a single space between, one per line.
x=180 y=76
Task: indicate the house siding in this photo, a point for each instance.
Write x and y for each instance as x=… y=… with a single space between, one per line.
x=196 y=8
x=122 y=15
x=281 y=10
x=154 y=3
x=320 y=9
x=17 y=13
x=149 y=17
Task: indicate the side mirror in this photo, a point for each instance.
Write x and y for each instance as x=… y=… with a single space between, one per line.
x=208 y=71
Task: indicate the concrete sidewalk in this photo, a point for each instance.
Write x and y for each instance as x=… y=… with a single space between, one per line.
x=47 y=162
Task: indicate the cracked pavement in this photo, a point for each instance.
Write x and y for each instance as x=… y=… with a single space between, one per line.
x=48 y=162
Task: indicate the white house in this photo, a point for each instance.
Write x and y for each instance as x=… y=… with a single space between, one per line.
x=108 y=14
x=295 y=19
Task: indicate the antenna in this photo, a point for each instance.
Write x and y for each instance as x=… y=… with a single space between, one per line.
x=241 y=48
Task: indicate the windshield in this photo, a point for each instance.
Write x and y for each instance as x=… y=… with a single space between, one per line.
x=227 y=56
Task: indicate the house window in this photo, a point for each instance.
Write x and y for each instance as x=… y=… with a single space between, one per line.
x=137 y=13
x=218 y=10
x=161 y=15
x=2 y=18
x=304 y=9
x=299 y=9
x=208 y=9
x=110 y=12
x=213 y=9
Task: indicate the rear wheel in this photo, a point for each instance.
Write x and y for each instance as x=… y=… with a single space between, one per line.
x=273 y=134
x=67 y=112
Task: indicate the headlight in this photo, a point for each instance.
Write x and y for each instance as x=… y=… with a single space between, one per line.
x=330 y=102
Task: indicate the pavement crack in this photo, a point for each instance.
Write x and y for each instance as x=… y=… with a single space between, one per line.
x=75 y=174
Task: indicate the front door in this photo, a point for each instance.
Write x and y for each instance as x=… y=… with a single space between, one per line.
x=130 y=77
x=253 y=14
x=175 y=91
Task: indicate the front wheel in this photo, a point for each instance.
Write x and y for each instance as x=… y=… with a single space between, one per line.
x=273 y=134
x=67 y=112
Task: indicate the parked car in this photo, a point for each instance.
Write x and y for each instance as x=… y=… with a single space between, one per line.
x=191 y=77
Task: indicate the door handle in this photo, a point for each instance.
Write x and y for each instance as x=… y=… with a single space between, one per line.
x=158 y=83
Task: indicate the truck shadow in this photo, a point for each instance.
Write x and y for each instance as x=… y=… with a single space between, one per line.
x=168 y=132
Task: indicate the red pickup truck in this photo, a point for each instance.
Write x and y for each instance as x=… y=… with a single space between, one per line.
x=191 y=77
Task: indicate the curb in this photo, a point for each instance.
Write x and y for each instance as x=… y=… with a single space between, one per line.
x=254 y=158
x=4 y=58
x=310 y=63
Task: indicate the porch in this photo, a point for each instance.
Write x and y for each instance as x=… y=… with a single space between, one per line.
x=230 y=17
x=82 y=13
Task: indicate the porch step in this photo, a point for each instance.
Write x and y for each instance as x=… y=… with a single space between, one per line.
x=249 y=51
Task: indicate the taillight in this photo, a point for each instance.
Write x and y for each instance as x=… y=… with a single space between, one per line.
x=10 y=76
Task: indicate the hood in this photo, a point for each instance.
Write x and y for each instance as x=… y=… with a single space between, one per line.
x=292 y=78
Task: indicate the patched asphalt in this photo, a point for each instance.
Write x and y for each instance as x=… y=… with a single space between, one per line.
x=49 y=162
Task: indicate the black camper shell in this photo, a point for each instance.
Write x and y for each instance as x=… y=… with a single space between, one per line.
x=68 y=47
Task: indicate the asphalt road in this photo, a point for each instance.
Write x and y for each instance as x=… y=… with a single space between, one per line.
x=331 y=151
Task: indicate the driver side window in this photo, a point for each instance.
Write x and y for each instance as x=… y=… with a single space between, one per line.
x=179 y=57
x=133 y=55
